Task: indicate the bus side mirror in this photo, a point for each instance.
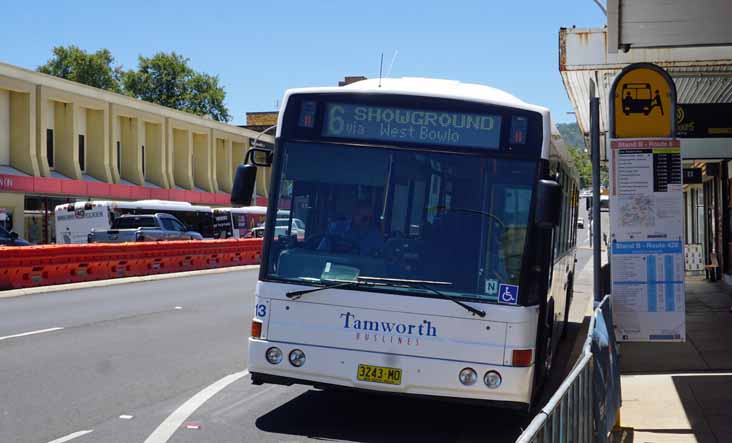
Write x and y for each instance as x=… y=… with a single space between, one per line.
x=243 y=188
x=548 y=204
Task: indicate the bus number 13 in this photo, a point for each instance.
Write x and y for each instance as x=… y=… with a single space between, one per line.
x=261 y=310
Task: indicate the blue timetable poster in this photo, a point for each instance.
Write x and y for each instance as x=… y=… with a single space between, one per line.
x=647 y=249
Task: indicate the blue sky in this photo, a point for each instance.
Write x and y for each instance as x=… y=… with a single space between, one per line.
x=259 y=49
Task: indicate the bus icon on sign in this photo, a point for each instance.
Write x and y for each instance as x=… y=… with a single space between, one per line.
x=508 y=294
x=638 y=99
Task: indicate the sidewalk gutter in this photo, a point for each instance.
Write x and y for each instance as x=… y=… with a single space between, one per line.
x=119 y=281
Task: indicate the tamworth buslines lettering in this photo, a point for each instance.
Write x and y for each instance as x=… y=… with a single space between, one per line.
x=437 y=243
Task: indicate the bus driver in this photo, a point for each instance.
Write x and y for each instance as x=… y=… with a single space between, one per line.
x=360 y=233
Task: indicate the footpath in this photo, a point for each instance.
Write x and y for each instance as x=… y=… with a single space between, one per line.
x=680 y=392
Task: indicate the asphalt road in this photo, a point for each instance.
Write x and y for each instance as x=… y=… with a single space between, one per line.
x=128 y=356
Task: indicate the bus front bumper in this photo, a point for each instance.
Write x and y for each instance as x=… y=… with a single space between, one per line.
x=329 y=367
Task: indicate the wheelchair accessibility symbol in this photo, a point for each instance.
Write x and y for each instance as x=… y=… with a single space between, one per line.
x=508 y=294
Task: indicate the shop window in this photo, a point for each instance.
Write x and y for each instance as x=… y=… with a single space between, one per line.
x=82 y=156
x=49 y=147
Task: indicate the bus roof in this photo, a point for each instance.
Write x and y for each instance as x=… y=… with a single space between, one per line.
x=141 y=204
x=425 y=87
x=257 y=210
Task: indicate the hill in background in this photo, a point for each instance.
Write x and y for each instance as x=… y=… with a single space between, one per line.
x=571 y=135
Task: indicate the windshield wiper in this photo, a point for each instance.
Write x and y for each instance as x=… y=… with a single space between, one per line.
x=423 y=284
x=294 y=295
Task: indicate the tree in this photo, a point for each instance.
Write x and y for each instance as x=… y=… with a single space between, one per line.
x=166 y=79
x=73 y=63
x=580 y=156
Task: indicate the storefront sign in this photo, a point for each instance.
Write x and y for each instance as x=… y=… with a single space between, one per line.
x=647 y=268
x=704 y=120
x=692 y=176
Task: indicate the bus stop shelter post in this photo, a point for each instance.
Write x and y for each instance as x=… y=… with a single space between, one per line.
x=595 y=157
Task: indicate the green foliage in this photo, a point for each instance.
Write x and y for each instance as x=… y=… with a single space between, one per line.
x=165 y=79
x=580 y=155
x=571 y=134
x=75 y=64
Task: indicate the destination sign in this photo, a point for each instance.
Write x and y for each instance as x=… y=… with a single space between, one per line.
x=412 y=126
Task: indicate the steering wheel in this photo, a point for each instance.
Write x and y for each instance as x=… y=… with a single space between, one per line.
x=342 y=244
x=336 y=243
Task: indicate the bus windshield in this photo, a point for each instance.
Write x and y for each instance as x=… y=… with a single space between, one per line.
x=401 y=214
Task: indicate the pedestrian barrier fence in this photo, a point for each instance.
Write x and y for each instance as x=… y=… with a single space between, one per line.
x=586 y=405
x=23 y=267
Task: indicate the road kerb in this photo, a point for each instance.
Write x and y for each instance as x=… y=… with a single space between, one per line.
x=118 y=281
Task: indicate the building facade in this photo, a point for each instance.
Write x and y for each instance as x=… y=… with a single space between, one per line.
x=62 y=141
x=703 y=80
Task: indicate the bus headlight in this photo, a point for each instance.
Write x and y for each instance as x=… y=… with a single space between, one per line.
x=492 y=379
x=468 y=377
x=274 y=355
x=297 y=358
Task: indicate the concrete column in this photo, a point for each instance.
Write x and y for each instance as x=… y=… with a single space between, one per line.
x=45 y=119
x=98 y=161
x=66 y=146
x=223 y=164
x=18 y=125
x=168 y=149
x=238 y=151
x=182 y=148
x=22 y=132
x=212 y=160
x=114 y=137
x=263 y=180
x=130 y=140
x=155 y=165
x=4 y=127
x=202 y=161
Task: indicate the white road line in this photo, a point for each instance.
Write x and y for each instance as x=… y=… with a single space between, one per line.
x=40 y=331
x=71 y=436
x=171 y=424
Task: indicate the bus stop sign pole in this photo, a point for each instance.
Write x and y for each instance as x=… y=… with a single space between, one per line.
x=595 y=157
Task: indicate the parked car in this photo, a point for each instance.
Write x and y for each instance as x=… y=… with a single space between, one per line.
x=279 y=231
x=256 y=232
x=148 y=227
x=10 y=238
x=580 y=223
x=298 y=227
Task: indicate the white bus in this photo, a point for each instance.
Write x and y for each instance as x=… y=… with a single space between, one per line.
x=74 y=221
x=238 y=222
x=439 y=245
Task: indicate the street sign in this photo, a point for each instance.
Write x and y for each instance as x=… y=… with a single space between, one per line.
x=646 y=207
x=508 y=294
x=647 y=239
x=642 y=103
x=692 y=176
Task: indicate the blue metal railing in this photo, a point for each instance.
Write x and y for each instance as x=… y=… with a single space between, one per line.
x=585 y=406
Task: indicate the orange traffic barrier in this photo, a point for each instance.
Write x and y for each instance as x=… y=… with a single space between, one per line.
x=22 y=267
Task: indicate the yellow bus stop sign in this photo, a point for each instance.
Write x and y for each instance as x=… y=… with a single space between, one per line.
x=643 y=103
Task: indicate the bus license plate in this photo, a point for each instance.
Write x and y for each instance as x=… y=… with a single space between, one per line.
x=379 y=374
